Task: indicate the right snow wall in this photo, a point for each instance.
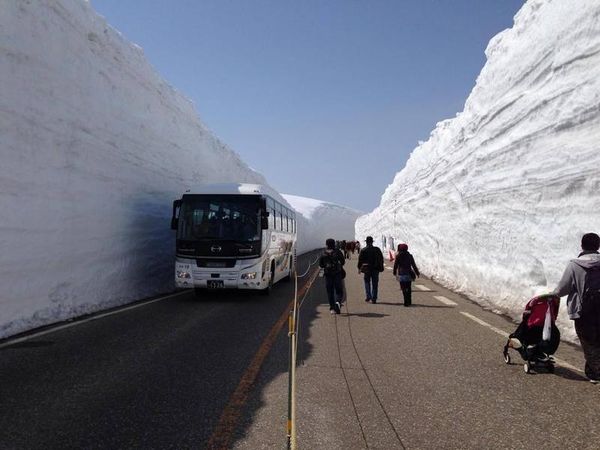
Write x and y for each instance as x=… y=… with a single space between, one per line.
x=494 y=203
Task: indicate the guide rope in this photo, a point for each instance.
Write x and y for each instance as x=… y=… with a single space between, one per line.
x=293 y=329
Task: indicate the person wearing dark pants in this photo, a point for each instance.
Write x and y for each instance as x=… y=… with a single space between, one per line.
x=331 y=262
x=370 y=263
x=406 y=288
x=406 y=271
x=371 y=286
x=588 y=332
x=581 y=282
x=333 y=284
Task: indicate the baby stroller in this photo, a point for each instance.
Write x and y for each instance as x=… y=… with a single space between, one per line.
x=536 y=338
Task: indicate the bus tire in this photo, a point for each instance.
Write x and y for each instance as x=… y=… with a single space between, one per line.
x=267 y=290
x=289 y=275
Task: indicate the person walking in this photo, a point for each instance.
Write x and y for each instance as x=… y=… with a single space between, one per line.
x=406 y=271
x=581 y=282
x=332 y=261
x=370 y=263
x=348 y=249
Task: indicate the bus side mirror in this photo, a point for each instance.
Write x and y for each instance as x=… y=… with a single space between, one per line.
x=264 y=220
x=175 y=215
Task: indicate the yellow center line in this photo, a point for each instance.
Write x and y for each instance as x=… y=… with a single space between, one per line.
x=221 y=436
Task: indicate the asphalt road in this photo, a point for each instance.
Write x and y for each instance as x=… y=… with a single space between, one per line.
x=430 y=376
x=375 y=377
x=158 y=376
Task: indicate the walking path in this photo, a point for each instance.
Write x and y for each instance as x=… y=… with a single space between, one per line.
x=429 y=376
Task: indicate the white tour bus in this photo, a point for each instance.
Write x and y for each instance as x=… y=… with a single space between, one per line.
x=240 y=236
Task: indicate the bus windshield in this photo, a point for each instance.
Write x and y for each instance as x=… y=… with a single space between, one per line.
x=220 y=217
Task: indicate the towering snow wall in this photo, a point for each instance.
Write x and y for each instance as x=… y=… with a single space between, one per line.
x=494 y=204
x=94 y=146
x=319 y=220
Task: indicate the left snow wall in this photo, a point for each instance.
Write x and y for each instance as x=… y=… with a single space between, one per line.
x=94 y=148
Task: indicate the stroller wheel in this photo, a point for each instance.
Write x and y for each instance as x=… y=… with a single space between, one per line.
x=527 y=367
x=506 y=357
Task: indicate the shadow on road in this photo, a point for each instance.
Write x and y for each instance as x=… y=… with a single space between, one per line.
x=226 y=296
x=368 y=315
x=28 y=344
x=559 y=371
x=568 y=374
x=415 y=305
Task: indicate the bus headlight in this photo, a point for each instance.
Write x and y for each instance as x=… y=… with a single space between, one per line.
x=182 y=274
x=249 y=276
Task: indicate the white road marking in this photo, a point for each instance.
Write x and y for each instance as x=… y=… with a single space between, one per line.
x=389 y=268
x=567 y=365
x=444 y=300
x=89 y=319
x=485 y=324
x=422 y=288
x=560 y=362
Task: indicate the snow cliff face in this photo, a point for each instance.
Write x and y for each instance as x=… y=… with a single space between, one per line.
x=319 y=220
x=494 y=204
x=94 y=148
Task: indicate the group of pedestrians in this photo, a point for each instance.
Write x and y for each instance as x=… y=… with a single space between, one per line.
x=347 y=247
x=580 y=283
x=370 y=264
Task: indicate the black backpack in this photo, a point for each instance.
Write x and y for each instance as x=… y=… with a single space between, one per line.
x=331 y=264
x=591 y=290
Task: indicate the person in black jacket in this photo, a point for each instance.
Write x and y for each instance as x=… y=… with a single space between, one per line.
x=332 y=261
x=370 y=263
x=406 y=271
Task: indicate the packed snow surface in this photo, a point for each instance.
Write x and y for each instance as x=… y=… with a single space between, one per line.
x=94 y=146
x=494 y=204
x=319 y=220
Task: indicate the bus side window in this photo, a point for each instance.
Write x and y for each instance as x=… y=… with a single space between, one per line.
x=285 y=220
x=271 y=209
x=279 y=217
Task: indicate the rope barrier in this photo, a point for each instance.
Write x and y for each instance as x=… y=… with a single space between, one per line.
x=294 y=321
x=308 y=268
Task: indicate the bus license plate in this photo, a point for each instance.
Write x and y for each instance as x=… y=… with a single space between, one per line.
x=215 y=284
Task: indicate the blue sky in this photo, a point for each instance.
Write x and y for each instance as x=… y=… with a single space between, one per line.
x=326 y=98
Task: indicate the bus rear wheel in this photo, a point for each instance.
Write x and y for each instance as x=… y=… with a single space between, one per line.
x=289 y=275
x=267 y=290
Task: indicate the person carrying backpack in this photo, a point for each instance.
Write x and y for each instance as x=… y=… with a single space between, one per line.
x=332 y=261
x=581 y=282
x=370 y=263
x=406 y=270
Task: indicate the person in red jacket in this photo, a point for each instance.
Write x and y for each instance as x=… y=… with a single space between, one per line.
x=406 y=271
